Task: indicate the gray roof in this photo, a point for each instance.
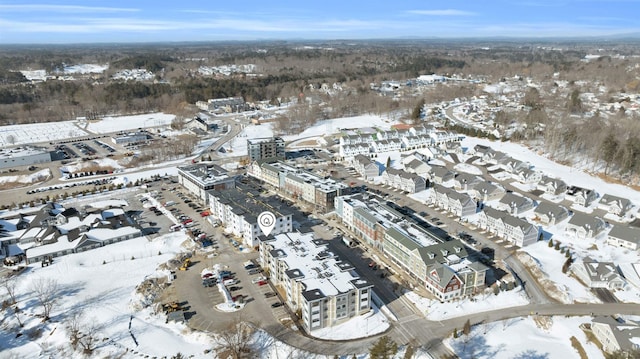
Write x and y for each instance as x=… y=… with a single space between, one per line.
x=512 y=198
x=630 y=234
x=624 y=202
x=551 y=209
x=586 y=221
x=438 y=251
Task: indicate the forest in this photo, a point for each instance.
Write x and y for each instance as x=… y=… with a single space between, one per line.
x=552 y=106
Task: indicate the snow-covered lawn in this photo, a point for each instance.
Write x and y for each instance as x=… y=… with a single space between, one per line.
x=238 y=145
x=361 y=326
x=435 y=310
x=467 y=168
x=529 y=337
x=38 y=132
x=128 y=123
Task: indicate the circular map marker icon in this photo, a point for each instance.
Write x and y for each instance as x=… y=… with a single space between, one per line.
x=266 y=222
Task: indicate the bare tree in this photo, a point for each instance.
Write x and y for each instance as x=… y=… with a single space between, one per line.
x=46 y=291
x=234 y=341
x=9 y=284
x=18 y=314
x=90 y=336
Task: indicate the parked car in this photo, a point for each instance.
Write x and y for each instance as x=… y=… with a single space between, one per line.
x=276 y=305
x=269 y=294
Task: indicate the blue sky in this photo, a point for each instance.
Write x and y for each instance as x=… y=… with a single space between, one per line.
x=188 y=20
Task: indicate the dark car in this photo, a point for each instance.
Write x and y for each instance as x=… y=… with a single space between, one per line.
x=234 y=288
x=269 y=294
x=276 y=305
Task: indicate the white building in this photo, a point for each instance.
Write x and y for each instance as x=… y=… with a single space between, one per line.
x=324 y=289
x=200 y=178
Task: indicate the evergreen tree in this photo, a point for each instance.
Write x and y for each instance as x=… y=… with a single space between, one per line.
x=384 y=348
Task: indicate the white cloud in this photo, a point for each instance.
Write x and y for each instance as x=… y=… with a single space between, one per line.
x=445 y=12
x=63 y=8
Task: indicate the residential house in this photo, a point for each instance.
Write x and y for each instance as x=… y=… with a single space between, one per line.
x=585 y=226
x=552 y=186
x=598 y=274
x=624 y=236
x=582 y=196
x=461 y=204
x=550 y=213
x=511 y=165
x=615 y=205
x=527 y=175
x=514 y=203
x=616 y=335
x=466 y=181
x=440 y=175
x=487 y=191
x=418 y=167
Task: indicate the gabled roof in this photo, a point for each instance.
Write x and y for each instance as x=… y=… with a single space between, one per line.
x=550 y=209
x=624 y=202
x=586 y=221
x=629 y=234
x=511 y=199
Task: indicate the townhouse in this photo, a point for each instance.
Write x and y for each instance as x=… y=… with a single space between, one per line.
x=512 y=229
x=615 y=335
x=552 y=186
x=366 y=167
x=459 y=204
x=403 y=180
x=487 y=191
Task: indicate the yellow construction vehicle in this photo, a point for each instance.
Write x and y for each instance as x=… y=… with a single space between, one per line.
x=185 y=264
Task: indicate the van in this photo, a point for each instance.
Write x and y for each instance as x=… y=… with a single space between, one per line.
x=228 y=282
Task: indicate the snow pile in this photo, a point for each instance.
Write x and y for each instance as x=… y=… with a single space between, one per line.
x=39 y=176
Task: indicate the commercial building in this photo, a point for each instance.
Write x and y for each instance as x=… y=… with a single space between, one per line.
x=130 y=138
x=238 y=209
x=441 y=266
x=299 y=184
x=266 y=148
x=324 y=289
x=200 y=178
x=23 y=156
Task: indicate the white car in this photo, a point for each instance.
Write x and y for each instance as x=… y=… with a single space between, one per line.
x=258 y=279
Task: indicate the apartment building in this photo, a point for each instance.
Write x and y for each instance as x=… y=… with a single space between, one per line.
x=266 y=148
x=200 y=178
x=324 y=289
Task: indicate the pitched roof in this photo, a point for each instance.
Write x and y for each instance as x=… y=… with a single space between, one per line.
x=630 y=234
x=585 y=221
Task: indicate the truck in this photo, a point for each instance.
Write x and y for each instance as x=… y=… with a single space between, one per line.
x=348 y=242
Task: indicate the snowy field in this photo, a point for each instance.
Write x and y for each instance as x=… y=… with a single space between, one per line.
x=85 y=69
x=328 y=127
x=525 y=338
x=361 y=326
x=102 y=283
x=128 y=123
x=41 y=132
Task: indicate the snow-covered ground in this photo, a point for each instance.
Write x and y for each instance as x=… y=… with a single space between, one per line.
x=128 y=123
x=38 y=132
x=328 y=127
x=84 y=165
x=528 y=337
x=361 y=326
x=238 y=145
x=102 y=284
x=39 y=176
x=435 y=310
x=85 y=68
